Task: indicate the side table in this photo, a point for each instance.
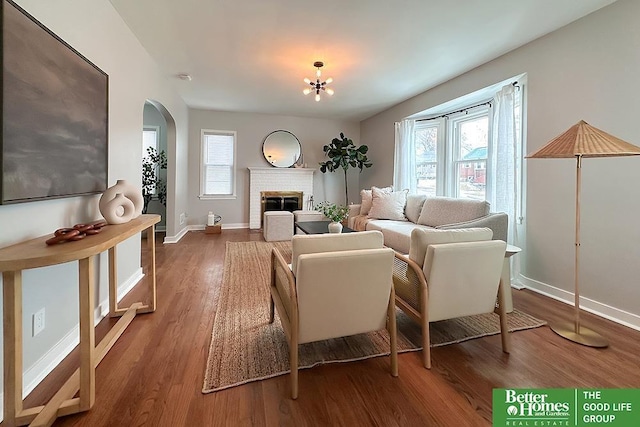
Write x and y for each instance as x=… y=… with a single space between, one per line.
x=35 y=253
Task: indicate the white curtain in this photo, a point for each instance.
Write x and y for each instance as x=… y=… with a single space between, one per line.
x=503 y=190
x=404 y=164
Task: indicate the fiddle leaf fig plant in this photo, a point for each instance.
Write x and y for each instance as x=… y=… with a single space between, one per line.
x=152 y=183
x=343 y=154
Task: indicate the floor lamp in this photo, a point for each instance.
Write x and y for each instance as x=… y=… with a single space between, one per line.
x=582 y=140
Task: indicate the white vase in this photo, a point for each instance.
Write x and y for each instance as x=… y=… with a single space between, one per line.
x=128 y=191
x=335 y=227
x=118 y=210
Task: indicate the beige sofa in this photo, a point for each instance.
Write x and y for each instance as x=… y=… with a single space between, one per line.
x=425 y=212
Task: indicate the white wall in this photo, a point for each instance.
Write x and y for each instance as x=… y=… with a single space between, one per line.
x=96 y=30
x=251 y=130
x=586 y=70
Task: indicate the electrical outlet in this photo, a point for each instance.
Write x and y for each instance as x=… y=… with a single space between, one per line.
x=183 y=217
x=38 y=322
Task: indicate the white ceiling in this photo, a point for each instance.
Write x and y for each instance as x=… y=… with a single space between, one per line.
x=252 y=55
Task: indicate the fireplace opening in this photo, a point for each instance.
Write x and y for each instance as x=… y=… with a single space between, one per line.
x=280 y=201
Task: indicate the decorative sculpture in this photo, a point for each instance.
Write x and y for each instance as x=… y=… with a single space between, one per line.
x=121 y=203
x=77 y=232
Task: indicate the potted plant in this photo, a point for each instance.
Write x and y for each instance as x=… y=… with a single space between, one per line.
x=335 y=213
x=344 y=154
x=152 y=183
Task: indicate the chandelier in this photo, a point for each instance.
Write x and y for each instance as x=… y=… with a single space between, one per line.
x=318 y=86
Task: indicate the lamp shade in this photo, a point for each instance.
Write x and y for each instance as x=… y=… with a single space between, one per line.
x=584 y=140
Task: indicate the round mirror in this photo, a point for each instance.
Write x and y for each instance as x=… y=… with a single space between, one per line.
x=281 y=149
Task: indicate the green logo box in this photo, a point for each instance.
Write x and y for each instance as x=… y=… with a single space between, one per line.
x=566 y=407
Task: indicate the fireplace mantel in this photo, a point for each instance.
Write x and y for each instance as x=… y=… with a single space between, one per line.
x=276 y=179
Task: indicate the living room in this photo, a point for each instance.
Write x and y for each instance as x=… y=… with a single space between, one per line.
x=585 y=70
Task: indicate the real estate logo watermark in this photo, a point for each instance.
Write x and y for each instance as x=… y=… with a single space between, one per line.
x=566 y=407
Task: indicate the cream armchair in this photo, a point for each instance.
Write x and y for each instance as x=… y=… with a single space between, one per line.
x=337 y=285
x=449 y=274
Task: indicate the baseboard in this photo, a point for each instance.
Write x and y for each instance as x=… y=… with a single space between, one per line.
x=236 y=226
x=200 y=227
x=595 y=307
x=38 y=371
x=177 y=237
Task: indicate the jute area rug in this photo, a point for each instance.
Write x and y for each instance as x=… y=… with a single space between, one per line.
x=245 y=347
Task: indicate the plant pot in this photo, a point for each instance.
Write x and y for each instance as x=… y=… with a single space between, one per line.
x=335 y=227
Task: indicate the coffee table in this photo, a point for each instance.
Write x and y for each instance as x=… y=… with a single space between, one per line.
x=318 y=227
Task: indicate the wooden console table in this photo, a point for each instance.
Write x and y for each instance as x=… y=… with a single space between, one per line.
x=35 y=253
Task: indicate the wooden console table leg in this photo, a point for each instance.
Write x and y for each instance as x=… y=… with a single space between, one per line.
x=113 y=282
x=12 y=286
x=151 y=243
x=87 y=334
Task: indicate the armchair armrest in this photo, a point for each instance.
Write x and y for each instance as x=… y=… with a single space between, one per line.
x=283 y=292
x=410 y=286
x=497 y=222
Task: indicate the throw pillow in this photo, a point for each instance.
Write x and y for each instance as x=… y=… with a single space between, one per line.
x=414 y=206
x=367 y=198
x=438 y=211
x=388 y=205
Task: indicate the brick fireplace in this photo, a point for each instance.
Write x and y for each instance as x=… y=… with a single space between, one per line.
x=277 y=181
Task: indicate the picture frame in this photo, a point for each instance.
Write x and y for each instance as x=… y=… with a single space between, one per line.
x=54 y=139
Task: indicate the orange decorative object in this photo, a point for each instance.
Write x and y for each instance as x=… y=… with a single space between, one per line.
x=77 y=232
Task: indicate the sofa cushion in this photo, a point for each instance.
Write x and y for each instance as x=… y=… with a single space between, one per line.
x=443 y=210
x=388 y=205
x=421 y=238
x=414 y=206
x=367 y=198
x=397 y=234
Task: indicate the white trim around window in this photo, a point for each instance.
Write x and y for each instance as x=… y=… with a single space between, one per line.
x=217 y=164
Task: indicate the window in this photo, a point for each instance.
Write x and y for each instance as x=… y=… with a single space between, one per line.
x=218 y=178
x=426 y=138
x=452 y=153
x=469 y=139
x=150 y=139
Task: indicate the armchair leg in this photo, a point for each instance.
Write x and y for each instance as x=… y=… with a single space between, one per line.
x=502 y=312
x=393 y=333
x=426 y=343
x=271 y=309
x=293 y=356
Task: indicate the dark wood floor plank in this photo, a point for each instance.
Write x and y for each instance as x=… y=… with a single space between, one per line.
x=154 y=374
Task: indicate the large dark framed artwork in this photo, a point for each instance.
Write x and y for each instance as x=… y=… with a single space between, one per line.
x=54 y=140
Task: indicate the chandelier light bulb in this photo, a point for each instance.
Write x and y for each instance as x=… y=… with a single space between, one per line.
x=318 y=86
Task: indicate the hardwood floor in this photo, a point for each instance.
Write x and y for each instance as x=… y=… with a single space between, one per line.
x=153 y=375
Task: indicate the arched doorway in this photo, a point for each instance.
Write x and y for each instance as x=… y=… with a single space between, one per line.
x=159 y=133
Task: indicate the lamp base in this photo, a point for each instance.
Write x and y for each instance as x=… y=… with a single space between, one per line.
x=584 y=336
